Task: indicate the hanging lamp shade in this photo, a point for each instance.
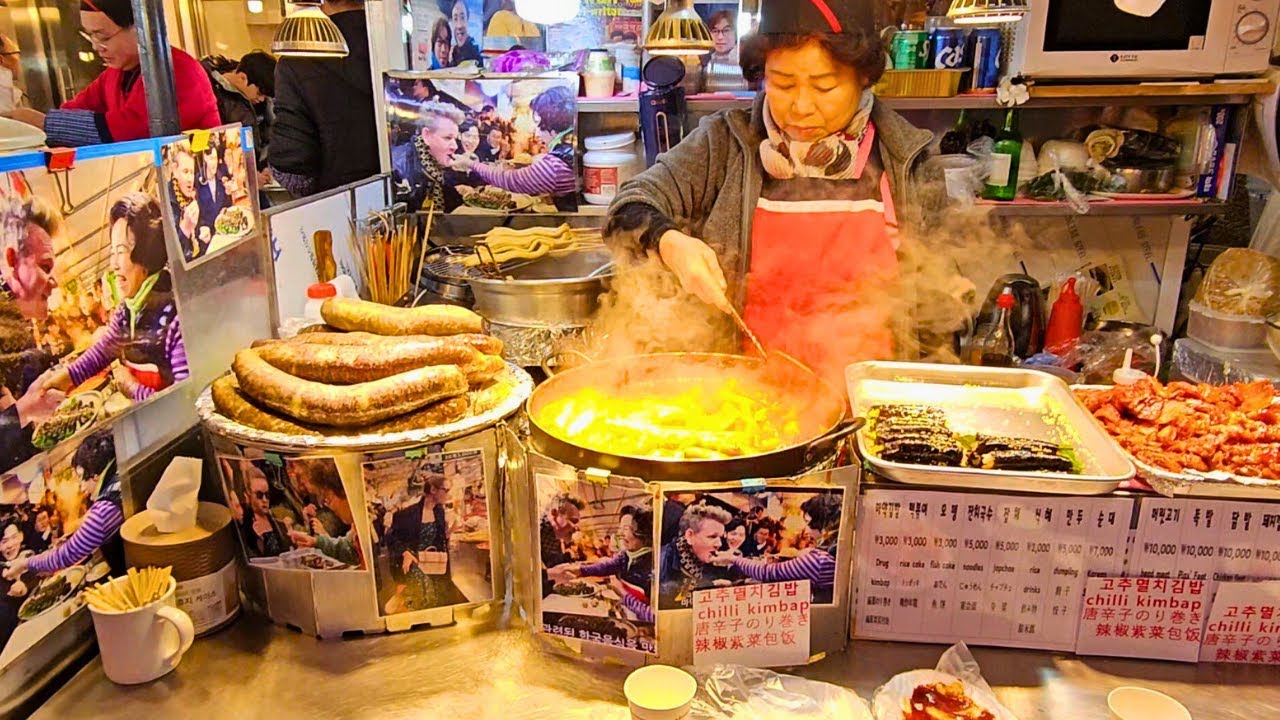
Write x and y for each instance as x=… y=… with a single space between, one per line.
x=979 y=12
x=548 y=12
x=308 y=32
x=679 y=31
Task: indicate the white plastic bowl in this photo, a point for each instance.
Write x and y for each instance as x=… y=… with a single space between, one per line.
x=1137 y=703
x=660 y=692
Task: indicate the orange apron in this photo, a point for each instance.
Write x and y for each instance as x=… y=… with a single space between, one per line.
x=820 y=270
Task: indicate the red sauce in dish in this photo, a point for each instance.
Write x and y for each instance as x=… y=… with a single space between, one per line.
x=948 y=702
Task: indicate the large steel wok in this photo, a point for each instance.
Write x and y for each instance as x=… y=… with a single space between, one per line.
x=820 y=410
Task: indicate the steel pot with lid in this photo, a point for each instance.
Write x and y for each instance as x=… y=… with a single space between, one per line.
x=553 y=291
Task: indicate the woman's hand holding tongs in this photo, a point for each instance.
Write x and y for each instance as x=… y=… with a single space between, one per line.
x=696 y=267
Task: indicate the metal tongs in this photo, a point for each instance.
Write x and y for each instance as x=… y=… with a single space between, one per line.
x=765 y=355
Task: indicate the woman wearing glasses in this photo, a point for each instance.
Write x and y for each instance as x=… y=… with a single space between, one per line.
x=114 y=106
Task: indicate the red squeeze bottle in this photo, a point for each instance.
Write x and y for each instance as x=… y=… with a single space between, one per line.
x=1065 y=320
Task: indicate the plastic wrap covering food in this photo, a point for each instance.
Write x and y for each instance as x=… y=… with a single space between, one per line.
x=735 y=692
x=954 y=690
x=531 y=346
x=1197 y=362
x=1242 y=282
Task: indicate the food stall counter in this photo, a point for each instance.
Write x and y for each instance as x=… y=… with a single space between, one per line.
x=257 y=670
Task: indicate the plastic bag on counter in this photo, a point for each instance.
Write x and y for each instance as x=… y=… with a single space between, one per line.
x=736 y=692
x=1098 y=353
x=963 y=175
x=956 y=666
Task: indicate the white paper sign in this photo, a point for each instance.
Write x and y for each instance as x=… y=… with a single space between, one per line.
x=1244 y=625
x=986 y=569
x=1207 y=540
x=1143 y=618
x=754 y=625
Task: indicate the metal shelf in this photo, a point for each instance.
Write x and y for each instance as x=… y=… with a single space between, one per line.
x=1100 y=208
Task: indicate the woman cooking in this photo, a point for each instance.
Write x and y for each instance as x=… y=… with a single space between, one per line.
x=144 y=333
x=816 y=152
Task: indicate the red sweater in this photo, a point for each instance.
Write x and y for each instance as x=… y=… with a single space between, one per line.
x=126 y=112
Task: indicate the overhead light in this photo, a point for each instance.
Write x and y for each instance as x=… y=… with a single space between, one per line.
x=986 y=12
x=548 y=12
x=679 y=30
x=308 y=32
x=255 y=6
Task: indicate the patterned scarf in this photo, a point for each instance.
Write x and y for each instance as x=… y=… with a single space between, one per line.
x=691 y=568
x=831 y=158
x=432 y=169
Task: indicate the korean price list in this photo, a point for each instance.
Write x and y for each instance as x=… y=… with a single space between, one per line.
x=988 y=569
x=1207 y=540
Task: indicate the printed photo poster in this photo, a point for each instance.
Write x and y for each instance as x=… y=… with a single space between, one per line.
x=446 y=33
x=726 y=538
x=505 y=30
x=291 y=512
x=206 y=181
x=722 y=20
x=496 y=145
x=54 y=514
x=597 y=558
x=89 y=322
x=429 y=511
x=599 y=23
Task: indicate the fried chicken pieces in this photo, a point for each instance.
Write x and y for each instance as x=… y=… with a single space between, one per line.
x=1180 y=427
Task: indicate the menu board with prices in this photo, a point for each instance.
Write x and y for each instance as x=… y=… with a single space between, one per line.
x=1244 y=625
x=1218 y=540
x=987 y=569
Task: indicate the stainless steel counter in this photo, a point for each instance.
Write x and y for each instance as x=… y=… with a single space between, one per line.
x=256 y=670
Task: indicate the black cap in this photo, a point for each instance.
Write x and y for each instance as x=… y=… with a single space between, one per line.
x=801 y=17
x=120 y=11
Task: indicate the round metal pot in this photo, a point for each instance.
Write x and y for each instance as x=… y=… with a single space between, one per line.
x=821 y=414
x=561 y=291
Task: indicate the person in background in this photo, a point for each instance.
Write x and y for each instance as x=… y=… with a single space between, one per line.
x=441 y=44
x=309 y=477
x=464 y=46
x=144 y=333
x=817 y=564
x=766 y=535
x=552 y=173
x=42 y=536
x=736 y=540
x=244 y=93
x=212 y=193
x=420 y=165
x=630 y=570
x=327 y=487
x=686 y=563
x=506 y=23
x=114 y=106
x=192 y=237
x=264 y=535
x=469 y=138
x=326 y=131
x=560 y=518
x=419 y=528
x=721 y=67
x=26 y=283
x=94 y=466
x=13 y=591
x=494 y=144
x=11 y=96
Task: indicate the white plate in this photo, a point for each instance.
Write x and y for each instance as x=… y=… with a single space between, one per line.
x=1153 y=197
x=890 y=697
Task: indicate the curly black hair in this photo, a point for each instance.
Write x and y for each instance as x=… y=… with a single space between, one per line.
x=96 y=453
x=823 y=510
x=141 y=213
x=557 y=109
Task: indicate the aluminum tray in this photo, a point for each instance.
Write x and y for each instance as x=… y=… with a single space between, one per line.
x=221 y=426
x=1022 y=403
x=1190 y=484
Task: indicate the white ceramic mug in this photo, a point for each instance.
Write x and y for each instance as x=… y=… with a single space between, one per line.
x=145 y=643
x=660 y=692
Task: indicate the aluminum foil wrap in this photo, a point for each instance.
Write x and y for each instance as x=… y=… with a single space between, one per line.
x=531 y=346
x=216 y=424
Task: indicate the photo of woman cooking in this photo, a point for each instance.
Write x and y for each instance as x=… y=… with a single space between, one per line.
x=500 y=145
x=208 y=192
x=89 y=326
x=720 y=539
x=292 y=513
x=597 y=555
x=430 y=523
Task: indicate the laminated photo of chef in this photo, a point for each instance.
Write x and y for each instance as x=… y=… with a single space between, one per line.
x=721 y=67
x=720 y=539
x=430 y=522
x=597 y=558
x=291 y=513
x=500 y=145
x=89 y=324
x=59 y=518
x=208 y=192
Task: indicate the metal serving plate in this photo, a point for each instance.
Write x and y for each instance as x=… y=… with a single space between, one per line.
x=1190 y=484
x=996 y=401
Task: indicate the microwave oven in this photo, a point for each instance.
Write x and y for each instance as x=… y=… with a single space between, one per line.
x=1074 y=39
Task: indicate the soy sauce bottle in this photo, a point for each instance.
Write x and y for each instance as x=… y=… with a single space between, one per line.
x=995 y=349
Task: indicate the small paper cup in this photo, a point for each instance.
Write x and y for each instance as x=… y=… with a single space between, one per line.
x=1138 y=703
x=660 y=692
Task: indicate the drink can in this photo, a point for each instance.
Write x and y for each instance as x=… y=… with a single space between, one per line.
x=947 y=48
x=909 y=50
x=985 y=45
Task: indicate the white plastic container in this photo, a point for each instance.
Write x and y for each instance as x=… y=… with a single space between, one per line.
x=316 y=295
x=1138 y=703
x=660 y=692
x=1225 y=332
x=611 y=160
